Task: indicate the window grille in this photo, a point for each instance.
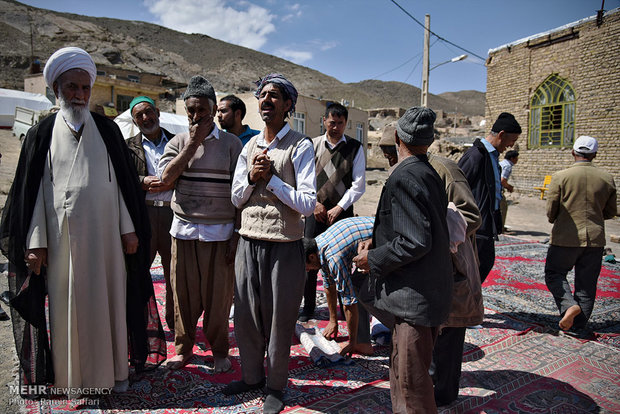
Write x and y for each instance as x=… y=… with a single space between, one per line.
x=552 y=114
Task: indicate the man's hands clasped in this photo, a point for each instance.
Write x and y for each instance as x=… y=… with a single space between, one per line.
x=261 y=167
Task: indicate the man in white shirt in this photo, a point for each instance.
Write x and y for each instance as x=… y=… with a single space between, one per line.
x=510 y=159
x=341 y=180
x=274 y=186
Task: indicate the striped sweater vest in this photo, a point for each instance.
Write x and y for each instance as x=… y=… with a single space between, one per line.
x=202 y=191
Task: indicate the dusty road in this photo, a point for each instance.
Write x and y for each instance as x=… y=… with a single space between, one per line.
x=526 y=218
x=9 y=148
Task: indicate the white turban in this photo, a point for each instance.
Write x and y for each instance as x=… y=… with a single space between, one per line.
x=66 y=59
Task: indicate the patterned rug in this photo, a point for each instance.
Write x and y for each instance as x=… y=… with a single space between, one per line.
x=516 y=362
x=516 y=288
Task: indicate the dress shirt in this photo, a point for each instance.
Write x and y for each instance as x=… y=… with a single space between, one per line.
x=186 y=230
x=303 y=198
x=495 y=161
x=358 y=184
x=337 y=246
x=506 y=168
x=152 y=154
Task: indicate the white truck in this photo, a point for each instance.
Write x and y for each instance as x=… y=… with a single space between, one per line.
x=25 y=118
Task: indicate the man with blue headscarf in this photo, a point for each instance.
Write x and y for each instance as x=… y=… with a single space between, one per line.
x=274 y=186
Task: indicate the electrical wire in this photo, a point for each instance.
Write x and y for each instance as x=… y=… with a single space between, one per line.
x=435 y=34
x=397 y=67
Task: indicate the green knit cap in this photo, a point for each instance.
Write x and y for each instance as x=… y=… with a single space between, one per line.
x=140 y=99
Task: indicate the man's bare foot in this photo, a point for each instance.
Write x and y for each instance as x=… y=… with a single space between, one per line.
x=179 y=361
x=331 y=331
x=363 y=349
x=347 y=348
x=567 y=320
x=222 y=365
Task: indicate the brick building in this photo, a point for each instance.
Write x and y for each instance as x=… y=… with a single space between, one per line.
x=559 y=85
x=114 y=88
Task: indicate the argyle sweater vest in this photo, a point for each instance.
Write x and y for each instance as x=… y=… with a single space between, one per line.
x=334 y=169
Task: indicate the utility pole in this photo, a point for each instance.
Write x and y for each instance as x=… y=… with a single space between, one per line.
x=425 y=64
x=455 y=113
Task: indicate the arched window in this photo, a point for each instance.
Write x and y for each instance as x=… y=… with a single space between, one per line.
x=552 y=114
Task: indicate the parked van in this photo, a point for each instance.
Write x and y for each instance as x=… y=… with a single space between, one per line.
x=25 y=118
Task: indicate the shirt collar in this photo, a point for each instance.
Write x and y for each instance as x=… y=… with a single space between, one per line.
x=163 y=139
x=285 y=129
x=260 y=141
x=215 y=133
x=490 y=148
x=332 y=146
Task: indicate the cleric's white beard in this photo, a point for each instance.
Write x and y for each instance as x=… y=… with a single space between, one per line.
x=74 y=114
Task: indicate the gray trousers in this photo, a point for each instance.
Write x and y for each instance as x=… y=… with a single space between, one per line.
x=270 y=279
x=587 y=262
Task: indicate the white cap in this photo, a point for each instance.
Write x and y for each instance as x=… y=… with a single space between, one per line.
x=66 y=59
x=585 y=145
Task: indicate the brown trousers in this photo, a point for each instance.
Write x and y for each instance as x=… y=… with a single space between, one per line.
x=161 y=241
x=411 y=387
x=201 y=282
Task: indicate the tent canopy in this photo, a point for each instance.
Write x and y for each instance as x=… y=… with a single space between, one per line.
x=172 y=122
x=10 y=98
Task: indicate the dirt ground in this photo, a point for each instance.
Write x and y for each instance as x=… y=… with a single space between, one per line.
x=526 y=215
x=526 y=219
x=9 y=148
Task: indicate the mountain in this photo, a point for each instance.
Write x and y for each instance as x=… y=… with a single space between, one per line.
x=151 y=48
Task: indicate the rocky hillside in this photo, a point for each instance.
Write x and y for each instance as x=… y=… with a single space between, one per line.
x=151 y=48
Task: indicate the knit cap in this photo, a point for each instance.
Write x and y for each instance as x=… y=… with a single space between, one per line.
x=416 y=126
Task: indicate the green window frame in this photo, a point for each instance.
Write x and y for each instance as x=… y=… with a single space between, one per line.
x=552 y=114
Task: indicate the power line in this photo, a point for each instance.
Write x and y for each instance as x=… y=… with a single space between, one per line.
x=412 y=70
x=397 y=67
x=435 y=34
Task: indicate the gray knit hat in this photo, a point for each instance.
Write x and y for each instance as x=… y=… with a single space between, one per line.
x=415 y=127
x=199 y=87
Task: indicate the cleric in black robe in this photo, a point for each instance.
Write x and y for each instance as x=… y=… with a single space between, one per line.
x=147 y=346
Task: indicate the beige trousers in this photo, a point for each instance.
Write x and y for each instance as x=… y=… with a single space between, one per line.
x=201 y=282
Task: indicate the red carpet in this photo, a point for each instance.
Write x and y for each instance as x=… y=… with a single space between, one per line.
x=517 y=362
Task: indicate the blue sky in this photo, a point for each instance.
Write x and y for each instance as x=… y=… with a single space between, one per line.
x=354 y=40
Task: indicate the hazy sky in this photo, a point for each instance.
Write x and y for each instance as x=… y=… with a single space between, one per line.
x=354 y=40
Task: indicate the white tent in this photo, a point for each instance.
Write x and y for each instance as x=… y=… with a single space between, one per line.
x=10 y=98
x=171 y=122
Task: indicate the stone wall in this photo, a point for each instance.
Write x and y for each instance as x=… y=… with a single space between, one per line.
x=587 y=56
